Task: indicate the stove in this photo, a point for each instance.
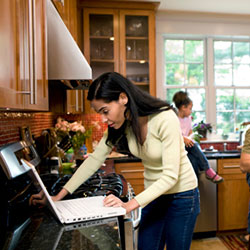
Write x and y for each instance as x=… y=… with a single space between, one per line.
x=97 y=184
x=16 y=187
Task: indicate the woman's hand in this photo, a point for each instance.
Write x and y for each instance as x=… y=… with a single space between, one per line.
x=38 y=199
x=112 y=201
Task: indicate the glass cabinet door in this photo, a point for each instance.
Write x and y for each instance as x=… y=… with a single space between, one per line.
x=135 y=34
x=101 y=51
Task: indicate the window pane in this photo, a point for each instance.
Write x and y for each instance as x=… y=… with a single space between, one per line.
x=222 y=52
x=225 y=122
x=194 y=51
x=223 y=75
x=242 y=99
x=174 y=74
x=241 y=52
x=198 y=98
x=241 y=75
x=198 y=116
x=224 y=99
x=195 y=74
x=174 y=50
x=242 y=117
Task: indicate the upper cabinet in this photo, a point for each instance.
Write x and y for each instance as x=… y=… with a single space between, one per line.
x=122 y=40
x=23 y=55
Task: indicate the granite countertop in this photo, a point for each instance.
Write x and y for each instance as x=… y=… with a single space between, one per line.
x=222 y=154
x=209 y=155
x=45 y=232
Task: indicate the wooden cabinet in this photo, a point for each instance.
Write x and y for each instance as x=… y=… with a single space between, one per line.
x=75 y=103
x=121 y=39
x=233 y=196
x=133 y=173
x=24 y=81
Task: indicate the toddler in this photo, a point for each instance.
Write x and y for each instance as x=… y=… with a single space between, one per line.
x=199 y=161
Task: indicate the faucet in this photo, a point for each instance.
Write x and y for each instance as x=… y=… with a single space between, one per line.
x=225 y=146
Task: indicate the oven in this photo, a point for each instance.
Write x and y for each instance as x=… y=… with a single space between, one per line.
x=131 y=224
x=16 y=187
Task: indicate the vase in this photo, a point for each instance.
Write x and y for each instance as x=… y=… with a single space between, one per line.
x=79 y=153
x=203 y=133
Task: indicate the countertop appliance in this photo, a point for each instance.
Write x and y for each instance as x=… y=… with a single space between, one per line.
x=17 y=187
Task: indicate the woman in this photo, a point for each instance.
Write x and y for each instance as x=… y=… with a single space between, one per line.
x=150 y=129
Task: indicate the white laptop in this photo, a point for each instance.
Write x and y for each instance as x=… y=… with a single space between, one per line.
x=76 y=210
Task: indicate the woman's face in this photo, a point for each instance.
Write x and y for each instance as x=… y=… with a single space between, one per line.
x=112 y=113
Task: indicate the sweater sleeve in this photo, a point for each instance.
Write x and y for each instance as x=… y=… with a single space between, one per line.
x=169 y=133
x=89 y=166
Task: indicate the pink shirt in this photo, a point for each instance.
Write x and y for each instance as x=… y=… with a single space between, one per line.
x=186 y=125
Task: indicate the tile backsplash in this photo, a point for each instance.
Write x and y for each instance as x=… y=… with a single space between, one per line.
x=10 y=123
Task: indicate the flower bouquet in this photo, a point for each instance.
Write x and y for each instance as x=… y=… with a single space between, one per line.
x=73 y=134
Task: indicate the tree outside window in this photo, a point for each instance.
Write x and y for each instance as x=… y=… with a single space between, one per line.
x=187 y=67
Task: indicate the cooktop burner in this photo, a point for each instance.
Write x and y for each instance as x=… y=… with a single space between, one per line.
x=97 y=184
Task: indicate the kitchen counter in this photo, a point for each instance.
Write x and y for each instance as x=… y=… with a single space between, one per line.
x=209 y=154
x=45 y=232
x=222 y=154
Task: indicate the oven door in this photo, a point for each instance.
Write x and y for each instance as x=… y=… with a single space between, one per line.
x=131 y=228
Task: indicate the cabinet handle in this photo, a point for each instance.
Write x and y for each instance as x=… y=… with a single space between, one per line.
x=33 y=97
x=30 y=25
x=132 y=171
x=232 y=166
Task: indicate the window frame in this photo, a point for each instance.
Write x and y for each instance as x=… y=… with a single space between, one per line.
x=209 y=80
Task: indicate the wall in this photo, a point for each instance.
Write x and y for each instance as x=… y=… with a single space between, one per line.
x=10 y=123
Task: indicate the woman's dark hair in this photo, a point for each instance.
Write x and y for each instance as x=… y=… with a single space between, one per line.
x=181 y=98
x=109 y=86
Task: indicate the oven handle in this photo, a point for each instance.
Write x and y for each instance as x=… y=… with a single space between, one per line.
x=136 y=221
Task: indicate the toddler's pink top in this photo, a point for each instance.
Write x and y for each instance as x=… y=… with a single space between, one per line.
x=186 y=125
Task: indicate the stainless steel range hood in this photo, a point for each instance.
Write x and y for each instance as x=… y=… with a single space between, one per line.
x=65 y=60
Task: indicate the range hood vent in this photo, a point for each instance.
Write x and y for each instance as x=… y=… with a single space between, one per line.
x=65 y=60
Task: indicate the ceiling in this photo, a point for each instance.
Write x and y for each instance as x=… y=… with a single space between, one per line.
x=215 y=6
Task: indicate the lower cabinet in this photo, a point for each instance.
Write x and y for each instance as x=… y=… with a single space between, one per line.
x=133 y=173
x=233 y=196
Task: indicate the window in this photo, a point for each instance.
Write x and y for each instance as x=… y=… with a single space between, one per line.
x=216 y=75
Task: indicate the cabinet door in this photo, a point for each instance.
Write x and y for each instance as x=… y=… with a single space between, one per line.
x=75 y=101
x=24 y=85
x=137 y=41
x=233 y=196
x=101 y=40
x=133 y=173
x=233 y=199
x=38 y=99
x=9 y=65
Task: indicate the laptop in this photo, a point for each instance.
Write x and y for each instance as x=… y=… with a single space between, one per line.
x=76 y=210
